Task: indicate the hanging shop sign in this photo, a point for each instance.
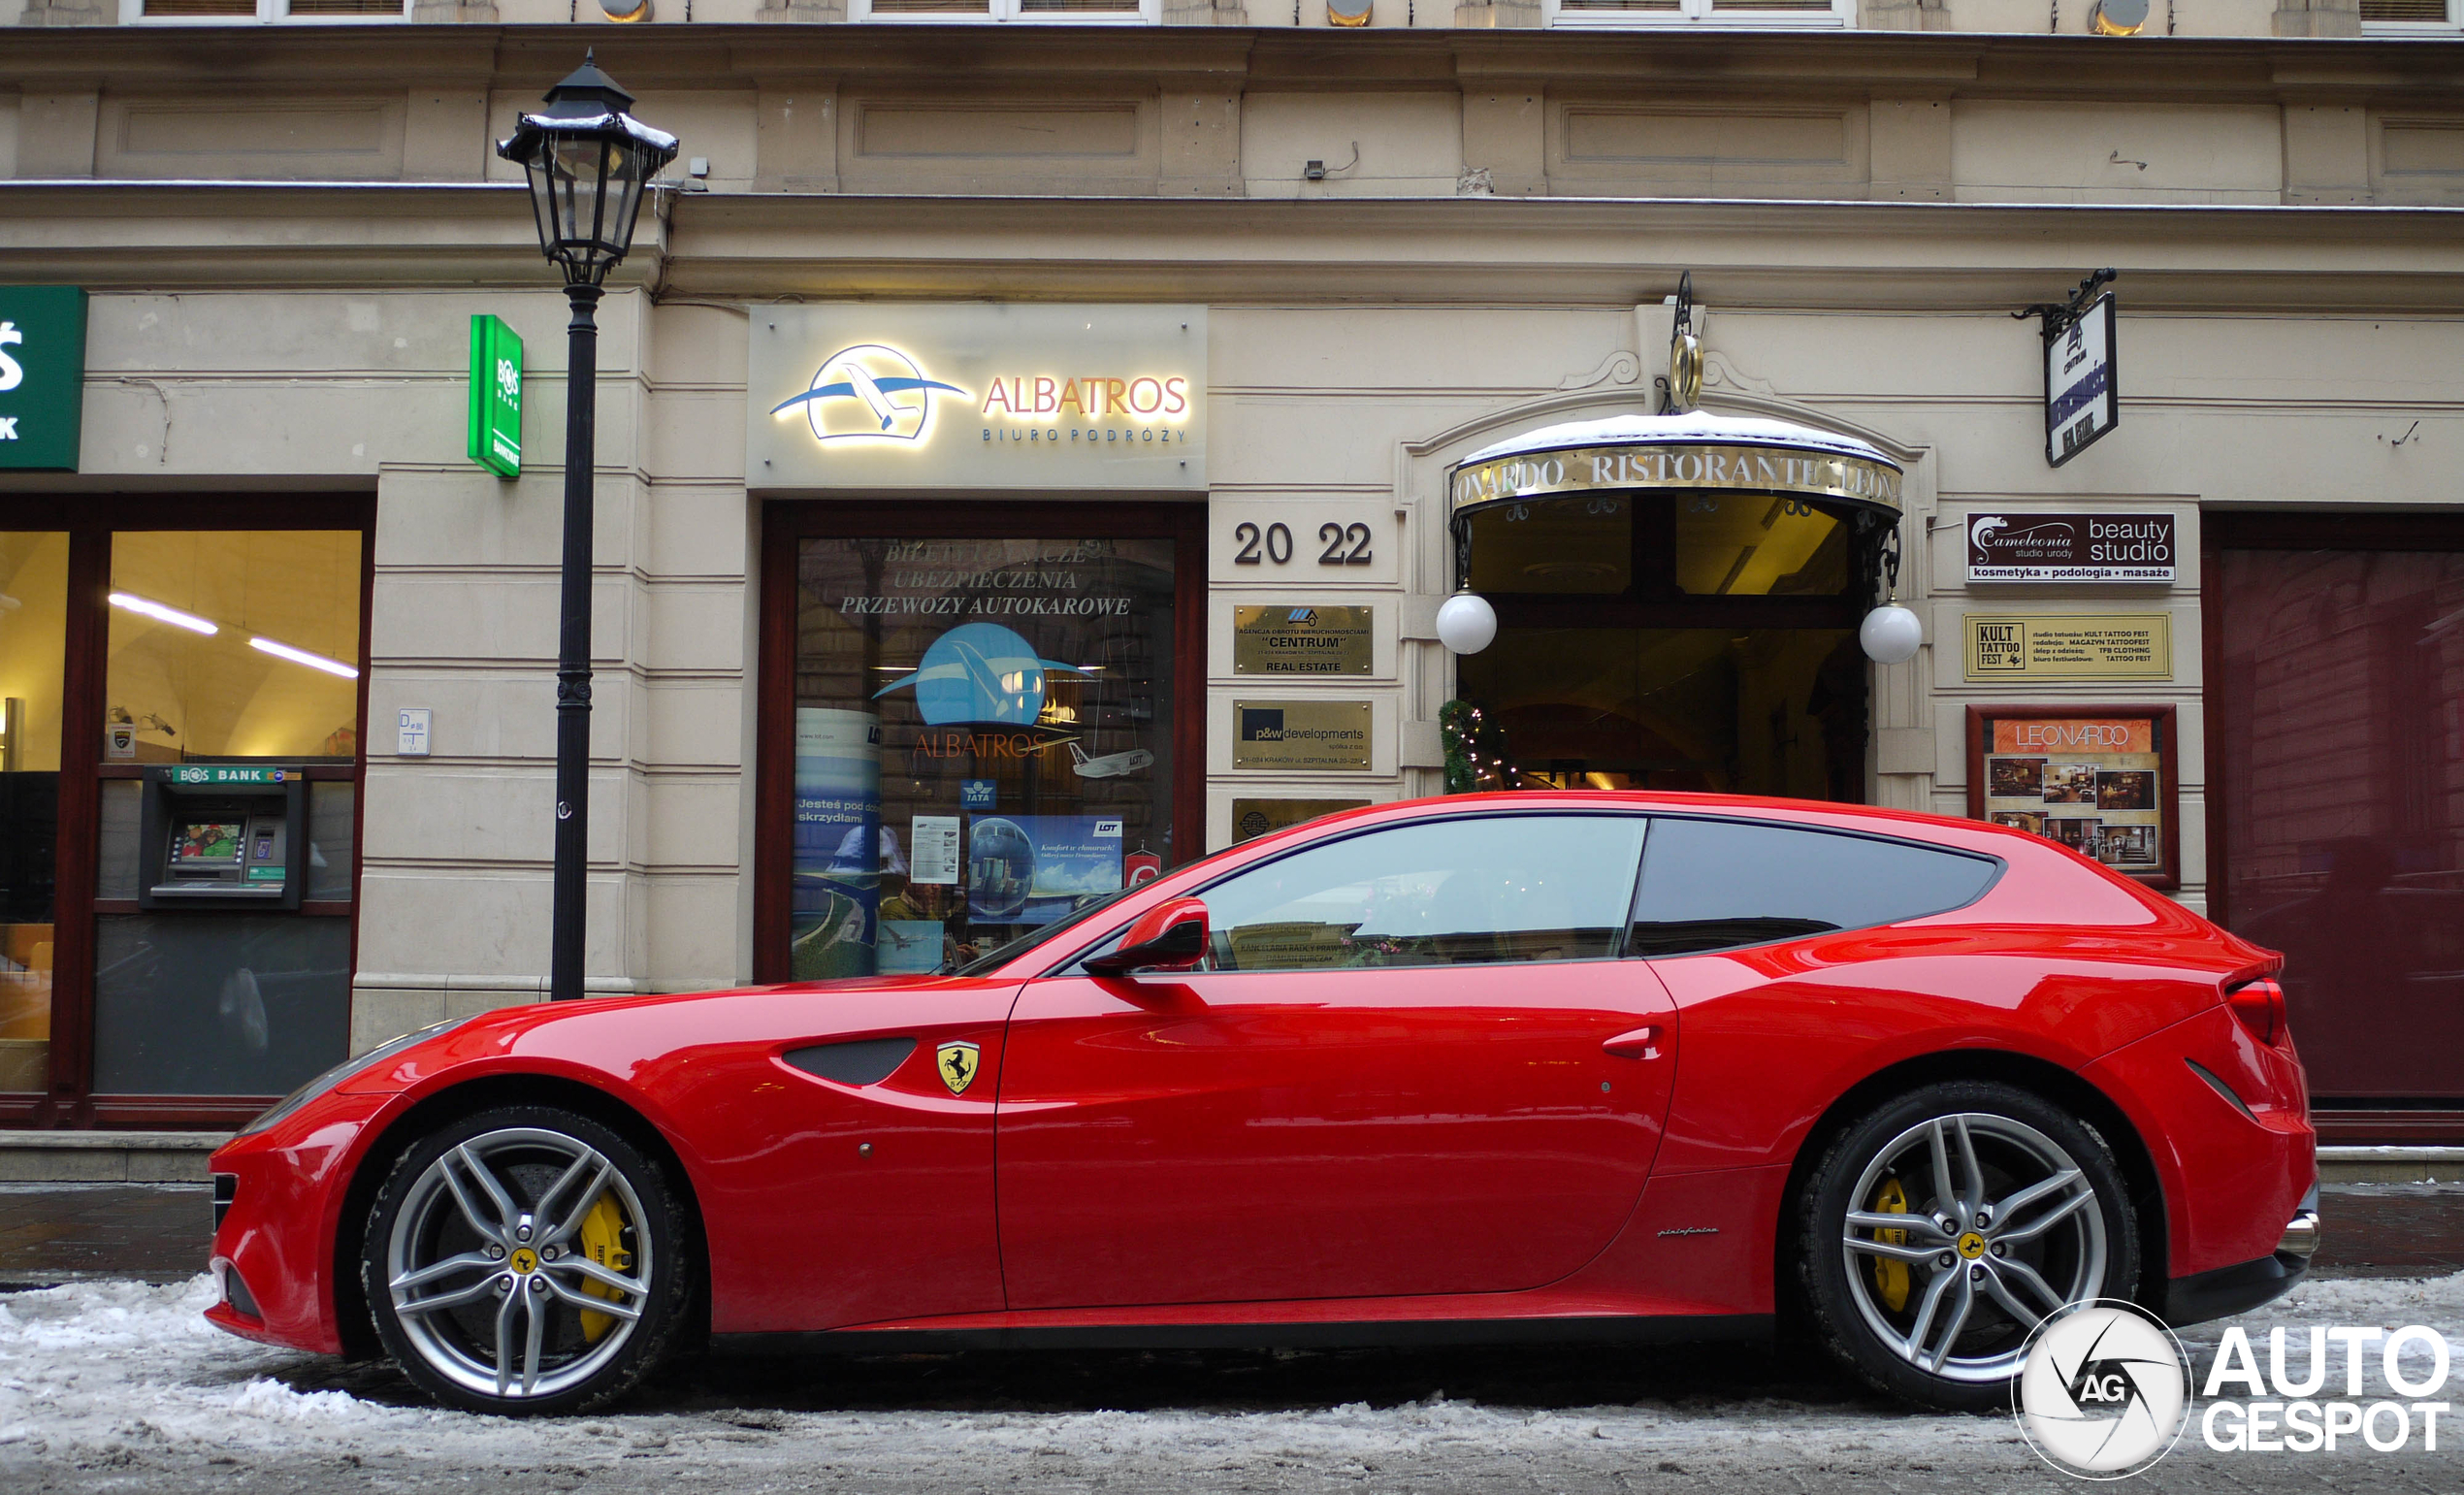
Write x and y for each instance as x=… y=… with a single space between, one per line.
x=1302 y=641
x=2008 y=546
x=1323 y=735
x=1254 y=818
x=42 y=377
x=2097 y=779
x=2091 y=646
x=978 y=396
x=2082 y=399
x=495 y=426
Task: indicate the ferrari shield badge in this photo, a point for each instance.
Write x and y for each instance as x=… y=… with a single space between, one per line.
x=957 y=1062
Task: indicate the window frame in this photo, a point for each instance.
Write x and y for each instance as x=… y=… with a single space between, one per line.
x=269 y=12
x=72 y=1100
x=1002 y=12
x=1702 y=14
x=788 y=519
x=2425 y=30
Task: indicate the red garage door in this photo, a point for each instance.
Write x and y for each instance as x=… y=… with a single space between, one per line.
x=2336 y=657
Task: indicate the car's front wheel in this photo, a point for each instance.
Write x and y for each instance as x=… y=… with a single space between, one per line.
x=1940 y=1229
x=525 y=1260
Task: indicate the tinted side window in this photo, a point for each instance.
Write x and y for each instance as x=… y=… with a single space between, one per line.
x=1437 y=892
x=1714 y=884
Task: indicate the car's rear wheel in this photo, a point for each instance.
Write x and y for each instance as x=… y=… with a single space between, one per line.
x=524 y=1261
x=1941 y=1228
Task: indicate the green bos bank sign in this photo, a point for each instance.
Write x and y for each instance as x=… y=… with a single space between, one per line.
x=42 y=375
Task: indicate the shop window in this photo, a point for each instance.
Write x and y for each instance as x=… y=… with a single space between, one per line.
x=1509 y=888
x=1074 y=12
x=1719 y=885
x=33 y=675
x=234 y=643
x=1700 y=13
x=983 y=741
x=2337 y=745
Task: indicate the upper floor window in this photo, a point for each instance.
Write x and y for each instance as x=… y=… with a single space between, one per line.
x=2395 y=17
x=1131 y=12
x=1702 y=13
x=228 y=11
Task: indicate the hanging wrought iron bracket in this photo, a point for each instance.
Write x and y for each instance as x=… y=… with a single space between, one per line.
x=2058 y=316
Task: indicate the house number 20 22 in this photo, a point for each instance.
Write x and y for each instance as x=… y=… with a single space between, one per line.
x=1345 y=544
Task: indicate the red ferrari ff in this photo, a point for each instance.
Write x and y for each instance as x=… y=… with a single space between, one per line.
x=1490 y=1067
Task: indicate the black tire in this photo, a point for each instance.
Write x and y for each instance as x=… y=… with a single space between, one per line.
x=2016 y=1142
x=464 y=1330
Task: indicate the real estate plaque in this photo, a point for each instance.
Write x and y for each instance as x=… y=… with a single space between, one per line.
x=1321 y=735
x=1301 y=642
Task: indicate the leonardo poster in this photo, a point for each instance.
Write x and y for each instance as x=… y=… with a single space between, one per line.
x=2099 y=781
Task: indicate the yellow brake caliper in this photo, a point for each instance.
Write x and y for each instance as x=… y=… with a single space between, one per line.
x=603 y=1242
x=1890 y=1278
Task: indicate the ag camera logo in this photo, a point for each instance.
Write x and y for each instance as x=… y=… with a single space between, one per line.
x=2104 y=1392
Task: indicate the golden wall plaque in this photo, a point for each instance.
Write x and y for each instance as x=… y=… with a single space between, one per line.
x=1253 y=817
x=1302 y=642
x=2081 y=646
x=1326 y=735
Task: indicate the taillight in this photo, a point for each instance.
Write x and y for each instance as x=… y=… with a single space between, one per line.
x=2260 y=1005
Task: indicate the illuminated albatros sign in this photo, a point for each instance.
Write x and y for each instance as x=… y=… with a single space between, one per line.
x=878 y=396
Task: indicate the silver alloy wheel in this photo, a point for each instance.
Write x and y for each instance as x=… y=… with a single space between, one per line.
x=489 y=1238
x=2003 y=1230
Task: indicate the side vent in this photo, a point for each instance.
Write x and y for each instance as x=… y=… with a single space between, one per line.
x=863 y=1062
x=2222 y=1089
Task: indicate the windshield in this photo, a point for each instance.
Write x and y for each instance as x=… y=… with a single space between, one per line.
x=1019 y=946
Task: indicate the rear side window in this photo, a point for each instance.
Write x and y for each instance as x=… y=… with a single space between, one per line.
x=1720 y=884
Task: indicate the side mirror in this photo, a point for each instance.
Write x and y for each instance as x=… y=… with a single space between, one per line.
x=1170 y=936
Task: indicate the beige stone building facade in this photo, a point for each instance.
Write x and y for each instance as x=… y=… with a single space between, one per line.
x=1366 y=256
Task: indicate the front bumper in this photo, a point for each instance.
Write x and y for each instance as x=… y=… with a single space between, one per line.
x=2245 y=1285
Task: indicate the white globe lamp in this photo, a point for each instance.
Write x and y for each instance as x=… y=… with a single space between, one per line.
x=1466 y=623
x=1891 y=634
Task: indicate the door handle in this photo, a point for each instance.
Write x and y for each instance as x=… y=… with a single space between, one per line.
x=1642 y=1043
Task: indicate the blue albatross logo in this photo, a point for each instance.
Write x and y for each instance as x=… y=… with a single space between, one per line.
x=979 y=672
x=869 y=378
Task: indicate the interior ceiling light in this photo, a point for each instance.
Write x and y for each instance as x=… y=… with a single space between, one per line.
x=303 y=656
x=163 y=614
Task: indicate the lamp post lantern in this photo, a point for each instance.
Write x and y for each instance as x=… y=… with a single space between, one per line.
x=588 y=161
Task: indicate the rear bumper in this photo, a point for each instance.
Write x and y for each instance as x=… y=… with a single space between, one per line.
x=2245 y=1285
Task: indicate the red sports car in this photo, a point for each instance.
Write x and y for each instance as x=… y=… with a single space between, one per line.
x=1489 y=1067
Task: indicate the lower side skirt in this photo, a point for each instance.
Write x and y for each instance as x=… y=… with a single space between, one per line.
x=1370 y=1335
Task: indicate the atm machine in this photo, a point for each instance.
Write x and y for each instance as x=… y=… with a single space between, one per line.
x=217 y=835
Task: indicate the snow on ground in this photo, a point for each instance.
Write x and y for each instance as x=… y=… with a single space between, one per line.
x=101 y=1369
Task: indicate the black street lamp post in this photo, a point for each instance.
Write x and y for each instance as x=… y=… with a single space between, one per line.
x=588 y=161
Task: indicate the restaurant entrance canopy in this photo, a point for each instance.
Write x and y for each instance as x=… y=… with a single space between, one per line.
x=1694 y=450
